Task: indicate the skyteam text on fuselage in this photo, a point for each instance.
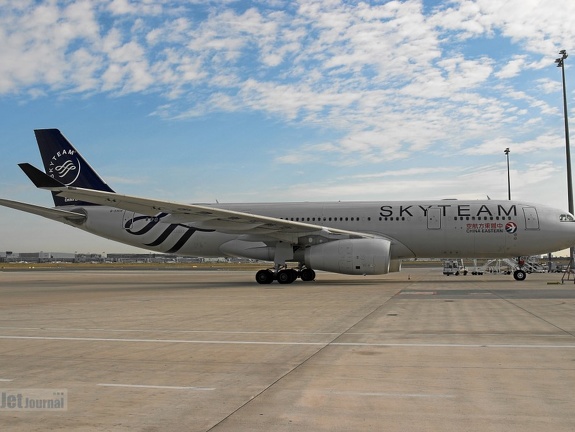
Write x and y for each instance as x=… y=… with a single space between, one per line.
x=357 y=238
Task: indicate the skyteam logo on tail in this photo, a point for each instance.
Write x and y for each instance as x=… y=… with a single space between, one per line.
x=511 y=227
x=65 y=167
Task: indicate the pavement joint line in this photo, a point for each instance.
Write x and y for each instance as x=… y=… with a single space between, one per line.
x=392 y=395
x=545 y=335
x=322 y=344
x=156 y=387
x=167 y=331
x=223 y=342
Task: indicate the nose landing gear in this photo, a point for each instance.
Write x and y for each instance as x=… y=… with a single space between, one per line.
x=520 y=274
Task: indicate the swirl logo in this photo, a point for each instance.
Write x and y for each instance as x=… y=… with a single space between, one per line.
x=65 y=167
x=168 y=229
x=511 y=227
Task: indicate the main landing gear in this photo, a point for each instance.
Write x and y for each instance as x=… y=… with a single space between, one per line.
x=284 y=275
x=520 y=274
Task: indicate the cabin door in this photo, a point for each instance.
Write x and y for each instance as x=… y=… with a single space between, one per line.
x=434 y=218
x=531 y=218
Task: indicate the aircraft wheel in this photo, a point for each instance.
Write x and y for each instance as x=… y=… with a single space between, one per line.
x=519 y=275
x=285 y=276
x=307 y=275
x=264 y=277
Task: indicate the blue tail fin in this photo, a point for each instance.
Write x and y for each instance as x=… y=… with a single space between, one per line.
x=63 y=162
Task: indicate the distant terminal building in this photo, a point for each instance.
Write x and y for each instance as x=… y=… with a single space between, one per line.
x=37 y=257
x=161 y=258
x=127 y=258
x=144 y=258
x=6 y=256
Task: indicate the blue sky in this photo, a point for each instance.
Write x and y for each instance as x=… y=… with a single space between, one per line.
x=198 y=101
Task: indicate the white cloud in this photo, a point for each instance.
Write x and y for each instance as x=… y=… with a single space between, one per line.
x=536 y=24
x=412 y=172
x=438 y=183
x=539 y=144
x=392 y=78
x=512 y=68
x=146 y=7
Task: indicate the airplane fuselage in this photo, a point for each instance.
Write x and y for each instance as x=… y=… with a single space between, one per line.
x=416 y=229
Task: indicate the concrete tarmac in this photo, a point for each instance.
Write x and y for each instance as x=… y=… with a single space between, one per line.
x=214 y=351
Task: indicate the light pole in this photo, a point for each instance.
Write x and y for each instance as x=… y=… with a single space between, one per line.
x=506 y=151
x=560 y=63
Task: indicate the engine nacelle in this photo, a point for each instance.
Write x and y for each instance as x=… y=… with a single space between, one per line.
x=354 y=257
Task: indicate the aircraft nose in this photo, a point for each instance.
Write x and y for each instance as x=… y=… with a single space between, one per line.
x=568 y=226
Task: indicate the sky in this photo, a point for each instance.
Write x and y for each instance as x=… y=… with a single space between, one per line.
x=264 y=101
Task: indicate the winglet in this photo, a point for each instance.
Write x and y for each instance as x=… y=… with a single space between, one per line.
x=39 y=178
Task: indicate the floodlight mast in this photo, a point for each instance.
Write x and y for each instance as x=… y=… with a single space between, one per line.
x=506 y=151
x=561 y=63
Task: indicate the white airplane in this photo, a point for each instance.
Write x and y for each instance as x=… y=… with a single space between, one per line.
x=357 y=238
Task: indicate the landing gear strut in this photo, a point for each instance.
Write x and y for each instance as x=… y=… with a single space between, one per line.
x=284 y=275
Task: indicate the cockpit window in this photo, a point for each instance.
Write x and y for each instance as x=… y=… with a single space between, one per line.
x=566 y=217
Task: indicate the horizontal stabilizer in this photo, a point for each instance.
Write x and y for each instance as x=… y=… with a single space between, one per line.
x=39 y=178
x=50 y=213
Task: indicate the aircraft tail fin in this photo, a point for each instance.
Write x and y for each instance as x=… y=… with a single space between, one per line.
x=63 y=163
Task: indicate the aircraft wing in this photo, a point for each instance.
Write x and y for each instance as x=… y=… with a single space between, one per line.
x=199 y=216
x=50 y=213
